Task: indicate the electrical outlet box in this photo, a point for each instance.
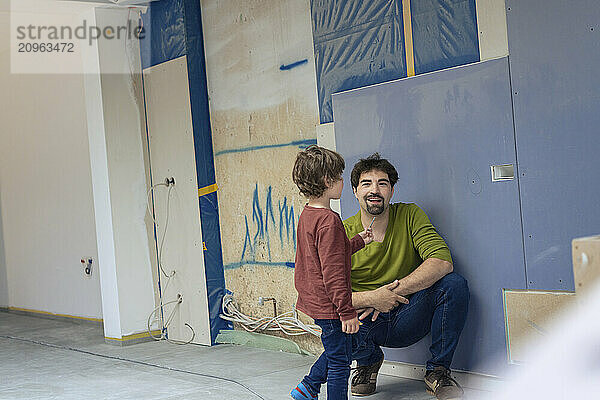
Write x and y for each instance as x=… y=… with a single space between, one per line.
x=86 y=263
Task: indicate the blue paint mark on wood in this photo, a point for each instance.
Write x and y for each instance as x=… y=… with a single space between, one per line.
x=264 y=263
x=286 y=217
x=259 y=234
x=300 y=143
x=284 y=67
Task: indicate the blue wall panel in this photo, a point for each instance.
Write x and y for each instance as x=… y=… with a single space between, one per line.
x=442 y=131
x=554 y=50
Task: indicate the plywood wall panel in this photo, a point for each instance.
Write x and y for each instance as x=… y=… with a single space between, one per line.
x=529 y=316
x=261 y=116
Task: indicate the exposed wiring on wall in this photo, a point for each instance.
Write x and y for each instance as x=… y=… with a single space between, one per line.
x=145 y=363
x=166 y=324
x=161 y=306
x=164 y=234
x=287 y=323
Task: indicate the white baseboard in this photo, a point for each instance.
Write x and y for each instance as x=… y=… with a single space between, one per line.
x=472 y=380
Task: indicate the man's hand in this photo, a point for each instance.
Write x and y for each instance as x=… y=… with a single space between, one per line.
x=350 y=326
x=383 y=299
x=365 y=312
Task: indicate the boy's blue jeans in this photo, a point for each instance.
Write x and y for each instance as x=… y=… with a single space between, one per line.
x=333 y=366
x=440 y=309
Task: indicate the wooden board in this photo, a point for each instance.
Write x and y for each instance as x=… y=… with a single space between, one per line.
x=528 y=317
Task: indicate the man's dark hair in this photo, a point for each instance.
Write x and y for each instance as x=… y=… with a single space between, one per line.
x=373 y=162
x=315 y=167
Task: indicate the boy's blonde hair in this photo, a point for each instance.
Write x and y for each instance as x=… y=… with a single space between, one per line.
x=315 y=168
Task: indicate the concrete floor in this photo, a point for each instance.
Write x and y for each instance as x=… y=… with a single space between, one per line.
x=54 y=359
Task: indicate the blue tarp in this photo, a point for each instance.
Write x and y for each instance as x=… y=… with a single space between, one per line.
x=359 y=43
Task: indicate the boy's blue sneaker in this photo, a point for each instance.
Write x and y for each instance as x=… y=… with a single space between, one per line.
x=301 y=392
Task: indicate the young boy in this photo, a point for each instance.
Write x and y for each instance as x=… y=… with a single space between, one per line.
x=322 y=274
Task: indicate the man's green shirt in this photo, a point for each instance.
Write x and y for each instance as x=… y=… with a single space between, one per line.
x=409 y=239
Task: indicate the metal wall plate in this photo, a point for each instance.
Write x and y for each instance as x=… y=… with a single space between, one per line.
x=503 y=172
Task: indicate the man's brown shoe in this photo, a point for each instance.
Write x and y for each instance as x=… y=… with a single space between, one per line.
x=364 y=380
x=441 y=385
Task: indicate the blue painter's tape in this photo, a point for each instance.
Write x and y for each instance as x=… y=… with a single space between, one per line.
x=293 y=65
x=300 y=143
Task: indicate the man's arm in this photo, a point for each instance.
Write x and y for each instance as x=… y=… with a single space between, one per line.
x=389 y=296
x=429 y=272
x=383 y=298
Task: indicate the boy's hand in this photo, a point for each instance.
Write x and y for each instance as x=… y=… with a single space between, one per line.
x=367 y=235
x=350 y=326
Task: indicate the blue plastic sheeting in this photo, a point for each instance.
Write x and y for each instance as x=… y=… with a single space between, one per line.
x=554 y=56
x=177 y=30
x=360 y=43
x=213 y=262
x=357 y=43
x=442 y=131
x=444 y=34
x=205 y=166
x=165 y=32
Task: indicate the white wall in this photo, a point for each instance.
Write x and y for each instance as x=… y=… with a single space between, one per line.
x=116 y=131
x=47 y=219
x=3 y=282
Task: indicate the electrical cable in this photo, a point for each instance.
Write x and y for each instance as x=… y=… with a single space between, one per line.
x=148 y=208
x=162 y=242
x=152 y=313
x=290 y=325
x=161 y=306
x=145 y=363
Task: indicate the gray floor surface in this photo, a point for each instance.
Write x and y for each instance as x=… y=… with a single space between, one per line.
x=54 y=359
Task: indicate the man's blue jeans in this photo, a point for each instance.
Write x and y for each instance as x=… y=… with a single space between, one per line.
x=333 y=365
x=441 y=309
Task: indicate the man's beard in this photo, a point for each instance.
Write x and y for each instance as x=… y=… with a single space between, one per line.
x=374 y=209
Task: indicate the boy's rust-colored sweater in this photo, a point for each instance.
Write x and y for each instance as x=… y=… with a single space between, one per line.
x=322 y=272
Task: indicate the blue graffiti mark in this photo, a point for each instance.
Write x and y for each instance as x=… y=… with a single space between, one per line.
x=265 y=263
x=247 y=240
x=261 y=219
x=269 y=211
x=286 y=216
x=300 y=143
x=257 y=216
x=293 y=65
